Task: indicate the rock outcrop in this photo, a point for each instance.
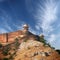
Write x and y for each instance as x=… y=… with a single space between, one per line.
x=34 y=50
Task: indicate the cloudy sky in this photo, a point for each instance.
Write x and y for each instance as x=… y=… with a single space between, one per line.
x=43 y=16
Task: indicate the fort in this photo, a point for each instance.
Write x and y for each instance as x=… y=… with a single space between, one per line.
x=9 y=37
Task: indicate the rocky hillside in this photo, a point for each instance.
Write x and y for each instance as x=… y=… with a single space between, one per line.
x=27 y=46
x=34 y=50
x=28 y=50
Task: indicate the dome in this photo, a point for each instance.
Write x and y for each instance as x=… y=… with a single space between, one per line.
x=25 y=26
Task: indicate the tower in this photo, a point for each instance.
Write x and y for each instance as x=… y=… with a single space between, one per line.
x=25 y=28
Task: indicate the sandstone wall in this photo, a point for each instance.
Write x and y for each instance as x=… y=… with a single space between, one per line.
x=9 y=37
x=3 y=37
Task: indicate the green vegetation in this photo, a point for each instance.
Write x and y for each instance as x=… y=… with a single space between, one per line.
x=13 y=46
x=0 y=45
x=25 y=39
x=5 y=59
x=41 y=39
x=53 y=48
x=16 y=43
x=48 y=44
x=11 y=57
x=58 y=51
x=10 y=49
x=6 y=50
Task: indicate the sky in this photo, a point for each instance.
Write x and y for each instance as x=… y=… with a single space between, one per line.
x=42 y=16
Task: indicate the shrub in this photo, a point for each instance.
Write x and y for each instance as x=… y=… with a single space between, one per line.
x=43 y=40
x=58 y=51
x=0 y=45
x=6 y=50
x=5 y=59
x=16 y=43
x=25 y=40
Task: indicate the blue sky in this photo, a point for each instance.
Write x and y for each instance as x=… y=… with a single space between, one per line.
x=43 y=16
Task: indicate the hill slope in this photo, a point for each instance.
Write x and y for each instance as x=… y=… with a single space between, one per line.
x=34 y=50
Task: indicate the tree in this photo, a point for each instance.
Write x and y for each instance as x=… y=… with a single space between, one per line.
x=58 y=51
x=5 y=59
x=6 y=49
x=43 y=40
x=17 y=43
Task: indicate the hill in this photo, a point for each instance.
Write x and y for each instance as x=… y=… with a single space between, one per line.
x=34 y=50
x=27 y=46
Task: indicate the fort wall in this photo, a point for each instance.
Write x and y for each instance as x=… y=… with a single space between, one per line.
x=9 y=37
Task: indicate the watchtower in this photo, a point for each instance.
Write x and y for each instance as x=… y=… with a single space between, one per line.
x=25 y=28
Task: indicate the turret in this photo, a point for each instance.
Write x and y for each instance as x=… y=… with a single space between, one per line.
x=25 y=28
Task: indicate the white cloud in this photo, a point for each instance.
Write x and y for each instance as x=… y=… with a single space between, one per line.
x=52 y=38
x=32 y=30
x=49 y=17
x=37 y=27
x=20 y=25
x=2 y=30
x=6 y=22
x=46 y=15
x=8 y=27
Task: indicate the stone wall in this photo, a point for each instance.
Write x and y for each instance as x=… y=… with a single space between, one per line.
x=3 y=37
x=9 y=37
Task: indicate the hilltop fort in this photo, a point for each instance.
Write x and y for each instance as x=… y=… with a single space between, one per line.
x=9 y=37
x=24 y=45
